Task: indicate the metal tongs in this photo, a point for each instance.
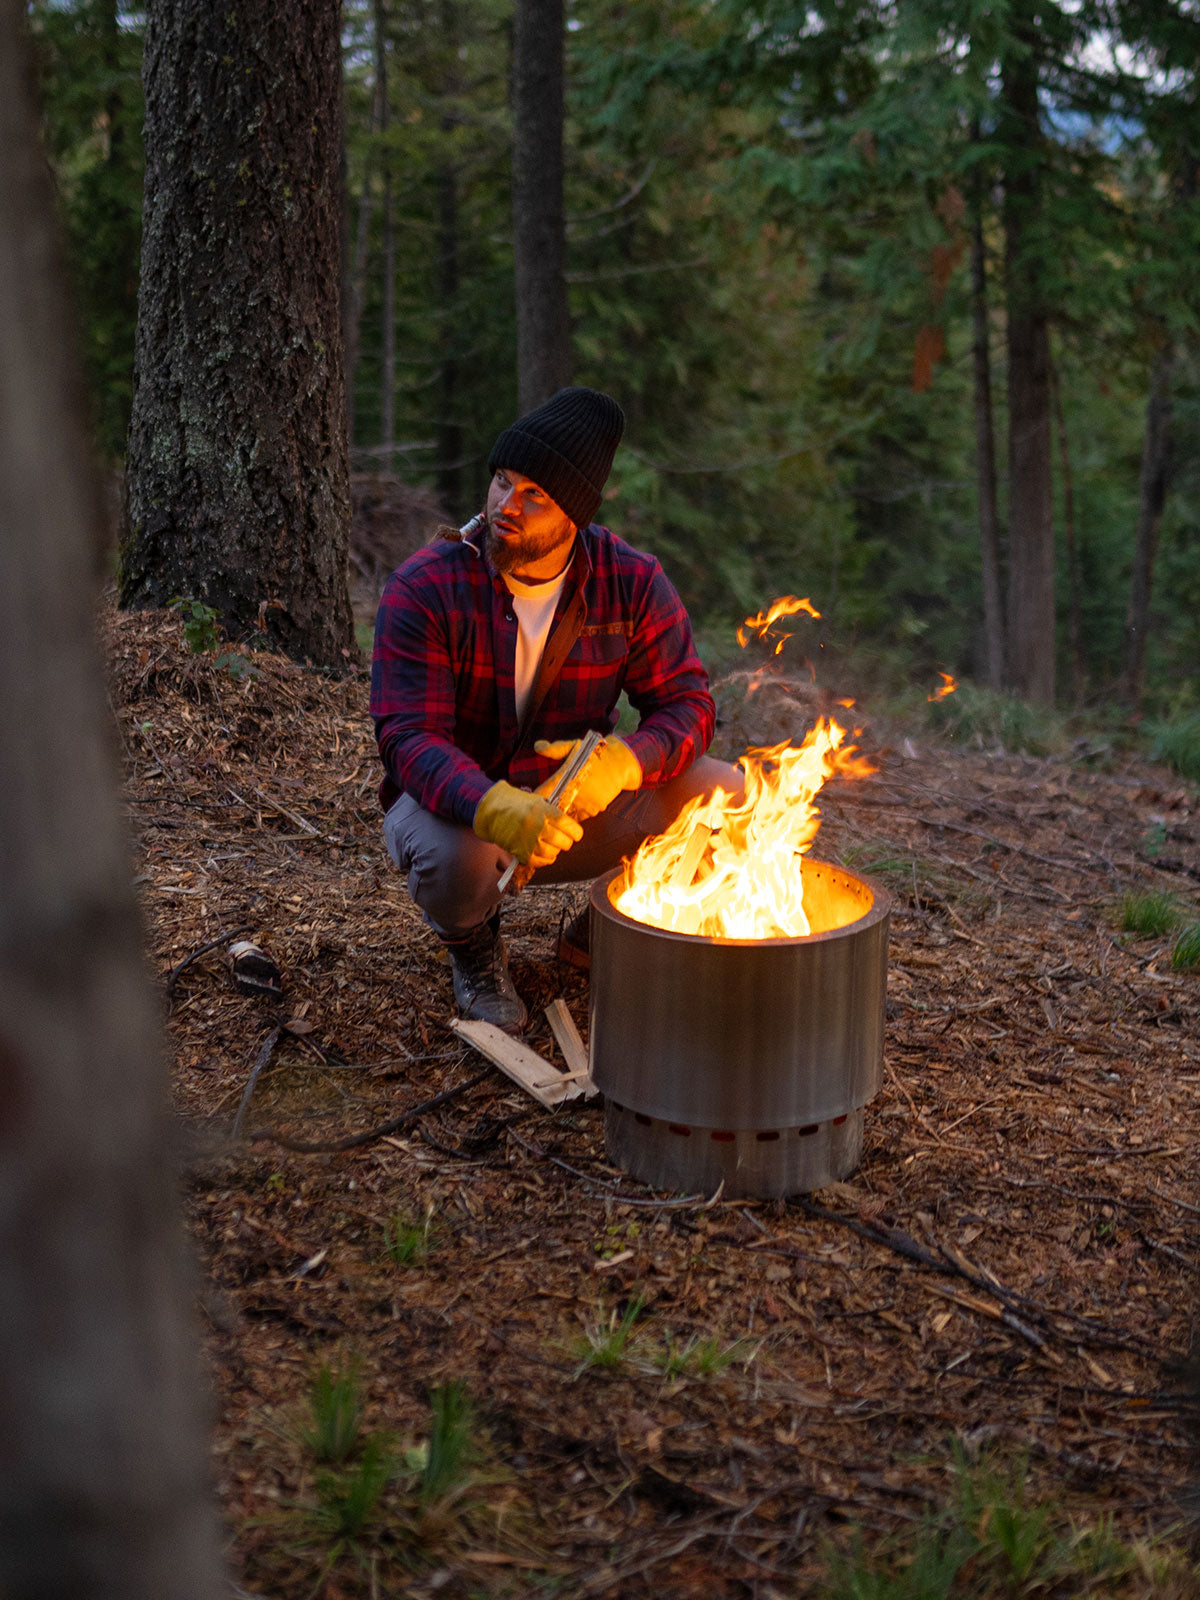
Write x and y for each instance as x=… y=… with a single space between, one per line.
x=560 y=793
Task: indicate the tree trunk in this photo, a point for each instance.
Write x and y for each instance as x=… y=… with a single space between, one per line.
x=356 y=277
x=387 y=332
x=449 y=283
x=985 y=446
x=1074 y=578
x=1152 y=496
x=539 y=234
x=1031 y=617
x=103 y=1480
x=237 y=472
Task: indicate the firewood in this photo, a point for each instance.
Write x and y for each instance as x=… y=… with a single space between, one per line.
x=524 y=1066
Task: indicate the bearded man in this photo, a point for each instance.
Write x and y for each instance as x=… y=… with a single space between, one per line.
x=495 y=651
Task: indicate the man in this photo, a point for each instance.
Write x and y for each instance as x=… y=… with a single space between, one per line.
x=497 y=649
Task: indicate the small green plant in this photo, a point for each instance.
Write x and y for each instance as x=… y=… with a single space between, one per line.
x=992 y=1541
x=990 y=717
x=1186 y=954
x=879 y=863
x=452 y=1449
x=347 y=1500
x=1176 y=740
x=335 y=1415
x=1154 y=912
x=1153 y=840
x=606 y=1340
x=200 y=631
x=408 y=1243
x=702 y=1358
x=236 y=665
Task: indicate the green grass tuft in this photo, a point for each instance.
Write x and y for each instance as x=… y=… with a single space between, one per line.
x=1186 y=954
x=335 y=1415
x=993 y=1541
x=1154 y=912
x=1176 y=740
x=408 y=1243
x=702 y=1358
x=991 y=718
x=452 y=1449
x=605 y=1342
x=347 y=1500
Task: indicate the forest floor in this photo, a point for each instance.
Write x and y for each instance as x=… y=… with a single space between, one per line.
x=666 y=1396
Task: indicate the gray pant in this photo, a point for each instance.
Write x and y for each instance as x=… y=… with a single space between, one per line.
x=452 y=873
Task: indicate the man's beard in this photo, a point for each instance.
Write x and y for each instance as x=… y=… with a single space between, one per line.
x=511 y=554
x=508 y=555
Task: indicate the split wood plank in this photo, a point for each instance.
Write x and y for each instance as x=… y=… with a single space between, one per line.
x=562 y=1026
x=524 y=1066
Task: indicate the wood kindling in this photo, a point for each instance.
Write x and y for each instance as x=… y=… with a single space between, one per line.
x=527 y=1069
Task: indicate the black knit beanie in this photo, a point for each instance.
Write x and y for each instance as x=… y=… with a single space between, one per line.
x=566 y=446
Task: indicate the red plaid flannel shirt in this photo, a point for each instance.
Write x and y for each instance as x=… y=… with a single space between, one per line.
x=442 y=677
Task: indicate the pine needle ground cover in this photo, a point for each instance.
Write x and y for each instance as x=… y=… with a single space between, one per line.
x=1002 y=1294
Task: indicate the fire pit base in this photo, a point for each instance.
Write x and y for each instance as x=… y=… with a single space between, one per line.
x=767 y=1164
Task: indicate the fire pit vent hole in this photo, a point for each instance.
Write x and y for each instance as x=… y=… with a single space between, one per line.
x=750 y=1161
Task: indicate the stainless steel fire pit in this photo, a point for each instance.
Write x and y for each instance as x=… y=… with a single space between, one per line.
x=743 y=1061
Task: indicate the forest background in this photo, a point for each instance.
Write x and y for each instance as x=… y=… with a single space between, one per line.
x=796 y=241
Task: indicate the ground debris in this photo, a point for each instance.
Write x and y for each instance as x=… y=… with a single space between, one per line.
x=1013 y=1265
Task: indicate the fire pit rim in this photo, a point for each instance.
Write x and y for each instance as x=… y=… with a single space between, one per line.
x=880 y=907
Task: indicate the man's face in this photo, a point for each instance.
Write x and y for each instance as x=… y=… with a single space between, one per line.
x=526 y=528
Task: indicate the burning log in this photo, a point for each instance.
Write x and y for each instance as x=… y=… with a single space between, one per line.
x=685 y=868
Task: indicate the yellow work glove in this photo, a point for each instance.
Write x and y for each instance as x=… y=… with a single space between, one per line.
x=524 y=824
x=612 y=769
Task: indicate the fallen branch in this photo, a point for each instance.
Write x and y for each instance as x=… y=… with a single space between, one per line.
x=264 y=1055
x=904 y=1245
x=357 y=1140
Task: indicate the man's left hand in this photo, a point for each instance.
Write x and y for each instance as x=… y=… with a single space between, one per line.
x=612 y=769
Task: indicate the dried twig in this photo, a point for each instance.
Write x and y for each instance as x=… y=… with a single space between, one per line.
x=264 y=1055
x=904 y=1245
x=357 y=1140
x=608 y=1189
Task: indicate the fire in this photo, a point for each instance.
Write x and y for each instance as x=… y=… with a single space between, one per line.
x=762 y=625
x=733 y=870
x=948 y=687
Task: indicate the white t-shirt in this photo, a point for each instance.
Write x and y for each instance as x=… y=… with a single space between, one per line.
x=533 y=605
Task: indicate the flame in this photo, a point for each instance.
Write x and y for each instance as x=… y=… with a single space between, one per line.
x=761 y=626
x=949 y=686
x=732 y=870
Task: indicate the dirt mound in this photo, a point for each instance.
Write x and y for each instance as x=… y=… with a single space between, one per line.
x=389 y=521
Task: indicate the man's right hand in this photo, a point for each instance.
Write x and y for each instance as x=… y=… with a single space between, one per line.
x=527 y=825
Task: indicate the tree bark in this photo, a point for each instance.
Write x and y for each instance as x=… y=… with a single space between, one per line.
x=1031 y=614
x=103 y=1481
x=237 y=470
x=387 y=327
x=985 y=446
x=450 y=438
x=1074 y=577
x=1152 y=496
x=356 y=275
x=539 y=235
